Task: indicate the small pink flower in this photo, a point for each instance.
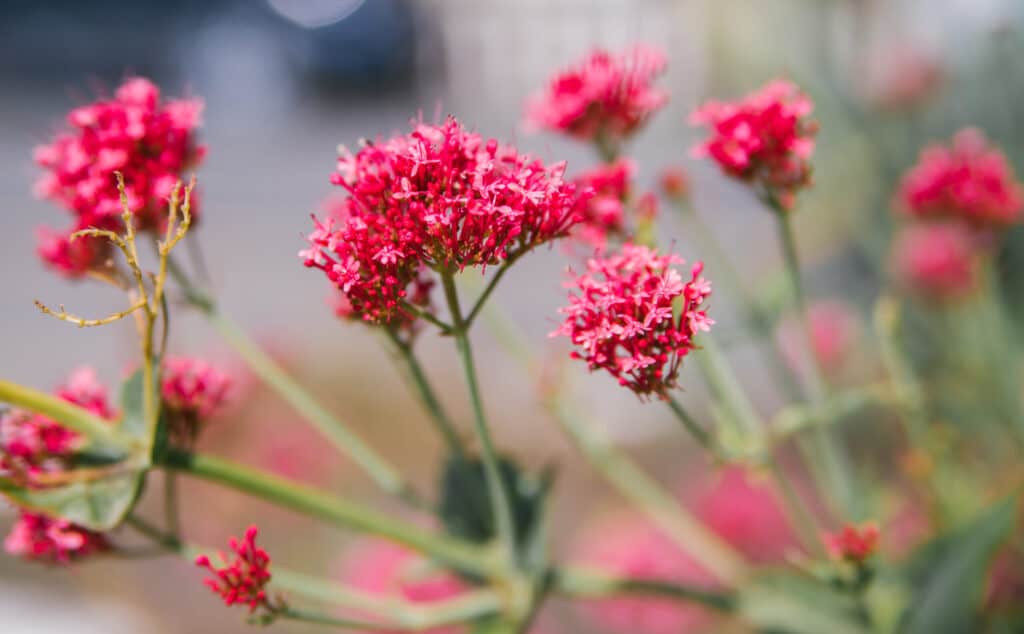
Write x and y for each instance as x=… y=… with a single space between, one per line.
x=626 y=545
x=747 y=514
x=438 y=198
x=622 y=319
x=969 y=181
x=765 y=139
x=675 y=183
x=937 y=261
x=384 y=569
x=606 y=95
x=903 y=77
x=852 y=543
x=194 y=387
x=602 y=194
x=41 y=538
x=835 y=331
x=242 y=579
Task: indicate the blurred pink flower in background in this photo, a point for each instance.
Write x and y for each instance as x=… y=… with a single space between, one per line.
x=969 y=180
x=902 y=77
x=764 y=138
x=675 y=183
x=835 y=332
x=854 y=544
x=746 y=513
x=626 y=544
x=385 y=569
x=936 y=261
x=40 y=538
x=605 y=96
x=193 y=386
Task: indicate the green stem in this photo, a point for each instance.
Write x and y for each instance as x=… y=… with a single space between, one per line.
x=427 y=396
x=837 y=471
x=496 y=486
x=583 y=583
x=714 y=554
x=754 y=314
x=319 y=618
x=416 y=311
x=337 y=511
x=797 y=511
x=343 y=438
x=71 y=416
x=491 y=285
x=171 y=503
x=698 y=432
x=729 y=391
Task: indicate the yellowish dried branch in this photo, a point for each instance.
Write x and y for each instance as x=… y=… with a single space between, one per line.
x=82 y=322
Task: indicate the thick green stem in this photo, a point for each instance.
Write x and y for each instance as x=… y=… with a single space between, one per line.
x=714 y=554
x=343 y=438
x=496 y=486
x=171 y=503
x=427 y=396
x=71 y=416
x=340 y=512
x=691 y=425
x=797 y=511
x=593 y=584
x=837 y=470
x=491 y=285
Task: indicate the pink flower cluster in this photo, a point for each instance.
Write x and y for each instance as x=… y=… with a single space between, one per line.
x=603 y=192
x=855 y=544
x=32 y=445
x=629 y=546
x=149 y=141
x=606 y=96
x=193 y=387
x=243 y=579
x=969 y=181
x=41 y=538
x=834 y=330
x=384 y=569
x=765 y=139
x=439 y=198
x=622 y=320
x=937 y=261
x=747 y=514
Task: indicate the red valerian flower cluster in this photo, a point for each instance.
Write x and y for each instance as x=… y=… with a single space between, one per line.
x=605 y=96
x=192 y=391
x=439 y=198
x=32 y=445
x=937 y=261
x=765 y=139
x=243 y=579
x=149 y=141
x=852 y=543
x=192 y=386
x=38 y=537
x=969 y=181
x=623 y=318
x=601 y=205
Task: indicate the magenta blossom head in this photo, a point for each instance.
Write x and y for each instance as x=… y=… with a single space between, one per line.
x=193 y=386
x=603 y=192
x=627 y=545
x=938 y=262
x=746 y=513
x=605 y=96
x=51 y=540
x=636 y=317
x=765 y=138
x=440 y=198
x=152 y=142
x=387 y=570
x=969 y=181
x=242 y=578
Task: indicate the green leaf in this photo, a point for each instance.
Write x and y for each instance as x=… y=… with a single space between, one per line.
x=949 y=573
x=104 y=495
x=783 y=604
x=465 y=503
